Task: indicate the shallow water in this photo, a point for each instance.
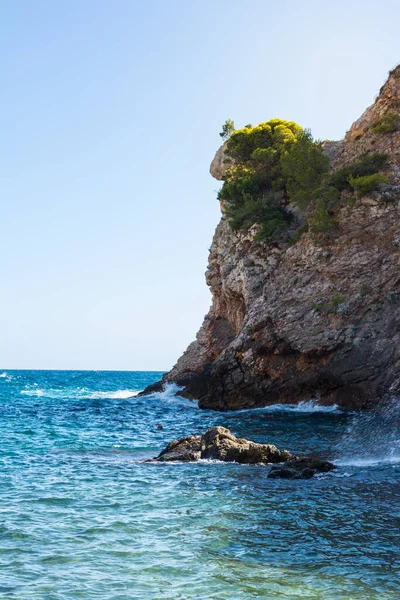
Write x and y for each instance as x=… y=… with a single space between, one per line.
x=82 y=517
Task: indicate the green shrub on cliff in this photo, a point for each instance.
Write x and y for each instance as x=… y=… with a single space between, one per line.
x=387 y=123
x=321 y=220
x=265 y=211
x=333 y=305
x=367 y=164
x=303 y=167
x=243 y=182
x=363 y=185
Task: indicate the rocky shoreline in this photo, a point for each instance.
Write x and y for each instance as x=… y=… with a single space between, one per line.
x=218 y=443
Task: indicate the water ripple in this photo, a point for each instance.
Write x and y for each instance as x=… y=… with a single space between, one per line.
x=82 y=516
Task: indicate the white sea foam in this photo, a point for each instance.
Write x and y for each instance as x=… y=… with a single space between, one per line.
x=79 y=393
x=368 y=462
x=170 y=389
x=30 y=392
x=338 y=474
x=214 y=461
x=311 y=406
x=6 y=376
x=308 y=406
x=115 y=394
x=168 y=396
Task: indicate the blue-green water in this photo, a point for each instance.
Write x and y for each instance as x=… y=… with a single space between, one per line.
x=81 y=516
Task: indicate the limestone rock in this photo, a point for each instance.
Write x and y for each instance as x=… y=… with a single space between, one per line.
x=218 y=443
x=220 y=164
x=185 y=449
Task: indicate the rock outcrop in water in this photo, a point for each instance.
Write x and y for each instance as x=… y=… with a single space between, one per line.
x=219 y=443
x=276 y=331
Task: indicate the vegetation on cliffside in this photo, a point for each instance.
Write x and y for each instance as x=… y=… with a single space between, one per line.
x=277 y=164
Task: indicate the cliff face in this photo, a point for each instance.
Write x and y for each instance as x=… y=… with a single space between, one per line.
x=266 y=338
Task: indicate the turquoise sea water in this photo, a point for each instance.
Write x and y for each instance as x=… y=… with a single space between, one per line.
x=81 y=515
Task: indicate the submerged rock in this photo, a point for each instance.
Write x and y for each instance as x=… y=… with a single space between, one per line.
x=302 y=467
x=219 y=443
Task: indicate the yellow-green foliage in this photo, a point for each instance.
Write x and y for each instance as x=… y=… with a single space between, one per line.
x=272 y=134
x=363 y=185
x=273 y=163
x=388 y=123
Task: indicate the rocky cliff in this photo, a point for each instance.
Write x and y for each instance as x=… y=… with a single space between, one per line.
x=312 y=318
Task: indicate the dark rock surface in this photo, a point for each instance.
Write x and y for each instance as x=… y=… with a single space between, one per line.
x=154 y=388
x=302 y=467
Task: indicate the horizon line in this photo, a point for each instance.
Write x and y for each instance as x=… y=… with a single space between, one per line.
x=94 y=370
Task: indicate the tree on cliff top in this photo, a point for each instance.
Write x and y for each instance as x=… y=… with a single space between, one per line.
x=227 y=129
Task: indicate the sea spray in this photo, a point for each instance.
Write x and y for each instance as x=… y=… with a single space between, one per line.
x=372 y=437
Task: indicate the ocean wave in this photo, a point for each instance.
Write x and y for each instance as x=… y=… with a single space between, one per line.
x=80 y=393
x=170 y=389
x=337 y=474
x=168 y=396
x=113 y=395
x=308 y=406
x=35 y=392
x=6 y=376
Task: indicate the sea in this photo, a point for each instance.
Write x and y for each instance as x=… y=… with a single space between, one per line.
x=83 y=516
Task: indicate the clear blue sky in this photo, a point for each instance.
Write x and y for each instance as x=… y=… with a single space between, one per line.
x=110 y=113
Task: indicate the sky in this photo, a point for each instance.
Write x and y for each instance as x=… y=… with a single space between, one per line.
x=110 y=114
